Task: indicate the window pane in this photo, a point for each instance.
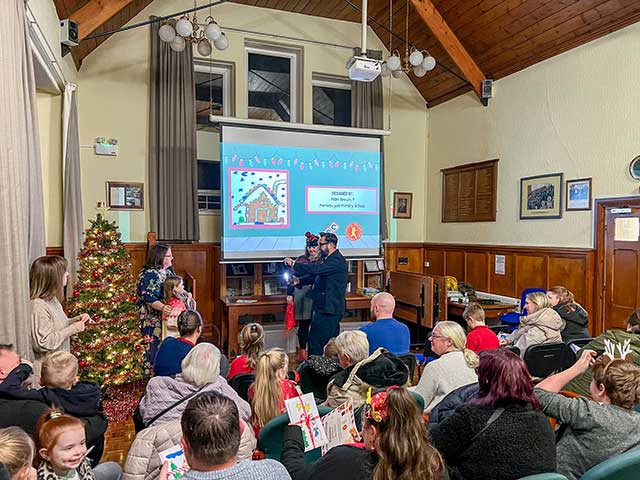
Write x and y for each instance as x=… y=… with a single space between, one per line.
x=208 y=92
x=627 y=229
x=331 y=106
x=208 y=175
x=269 y=87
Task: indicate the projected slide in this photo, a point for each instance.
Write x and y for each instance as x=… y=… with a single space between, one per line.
x=274 y=193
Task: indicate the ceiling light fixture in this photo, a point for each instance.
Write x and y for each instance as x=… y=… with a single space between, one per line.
x=417 y=61
x=185 y=29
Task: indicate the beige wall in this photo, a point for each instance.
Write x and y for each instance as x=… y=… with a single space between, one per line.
x=113 y=102
x=576 y=113
x=50 y=130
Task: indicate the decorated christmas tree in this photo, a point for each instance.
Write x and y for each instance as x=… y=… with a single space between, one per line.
x=110 y=350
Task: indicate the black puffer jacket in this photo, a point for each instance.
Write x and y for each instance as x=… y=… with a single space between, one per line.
x=576 y=321
x=381 y=369
x=449 y=403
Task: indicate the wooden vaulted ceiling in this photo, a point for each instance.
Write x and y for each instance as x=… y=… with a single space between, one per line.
x=500 y=36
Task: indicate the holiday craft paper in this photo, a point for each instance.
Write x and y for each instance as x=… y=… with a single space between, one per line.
x=303 y=412
x=340 y=426
x=178 y=465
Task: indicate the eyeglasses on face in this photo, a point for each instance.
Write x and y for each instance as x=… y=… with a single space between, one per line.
x=436 y=336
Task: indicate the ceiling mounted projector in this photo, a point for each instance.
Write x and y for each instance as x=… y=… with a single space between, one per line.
x=363 y=69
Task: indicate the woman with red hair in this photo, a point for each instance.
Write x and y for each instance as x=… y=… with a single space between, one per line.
x=504 y=414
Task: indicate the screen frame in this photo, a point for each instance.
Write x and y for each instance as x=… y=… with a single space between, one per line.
x=304 y=128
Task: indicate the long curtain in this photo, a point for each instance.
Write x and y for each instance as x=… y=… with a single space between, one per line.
x=21 y=197
x=173 y=179
x=367 y=112
x=72 y=190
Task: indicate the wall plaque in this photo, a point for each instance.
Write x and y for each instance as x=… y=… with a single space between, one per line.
x=469 y=192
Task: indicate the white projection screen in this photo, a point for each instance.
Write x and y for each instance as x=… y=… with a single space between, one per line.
x=279 y=183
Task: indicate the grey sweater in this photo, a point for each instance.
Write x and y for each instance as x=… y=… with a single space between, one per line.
x=594 y=433
x=245 y=470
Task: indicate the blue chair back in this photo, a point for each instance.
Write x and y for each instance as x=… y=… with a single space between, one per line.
x=512 y=319
x=621 y=467
x=270 y=437
x=545 y=476
x=523 y=298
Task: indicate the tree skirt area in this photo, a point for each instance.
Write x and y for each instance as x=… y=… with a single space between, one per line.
x=120 y=401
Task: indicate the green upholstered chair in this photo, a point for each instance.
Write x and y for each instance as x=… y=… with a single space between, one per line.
x=545 y=476
x=270 y=438
x=625 y=466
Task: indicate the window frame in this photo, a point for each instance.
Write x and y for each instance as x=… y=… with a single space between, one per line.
x=296 y=87
x=328 y=81
x=227 y=70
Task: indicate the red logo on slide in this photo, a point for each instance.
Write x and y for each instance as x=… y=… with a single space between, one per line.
x=354 y=232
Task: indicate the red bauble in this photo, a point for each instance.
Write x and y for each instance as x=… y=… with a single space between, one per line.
x=133 y=298
x=82 y=364
x=95 y=275
x=76 y=293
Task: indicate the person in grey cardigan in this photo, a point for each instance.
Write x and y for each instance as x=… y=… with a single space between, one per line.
x=598 y=429
x=200 y=373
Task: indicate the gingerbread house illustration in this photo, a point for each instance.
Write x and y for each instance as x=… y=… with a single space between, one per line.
x=260 y=205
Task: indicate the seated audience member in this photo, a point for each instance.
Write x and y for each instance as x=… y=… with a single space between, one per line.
x=200 y=373
x=178 y=300
x=143 y=460
x=251 y=341
x=173 y=350
x=60 y=389
x=317 y=371
x=451 y=402
x=211 y=438
x=479 y=336
x=385 y=331
x=271 y=387
x=361 y=371
x=62 y=451
x=16 y=453
x=581 y=384
x=575 y=317
x=594 y=430
x=504 y=414
x=396 y=445
x=542 y=324
x=454 y=368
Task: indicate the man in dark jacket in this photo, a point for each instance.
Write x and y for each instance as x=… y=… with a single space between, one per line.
x=329 y=288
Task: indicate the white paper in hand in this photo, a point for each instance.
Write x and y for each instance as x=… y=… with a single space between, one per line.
x=340 y=427
x=178 y=465
x=303 y=412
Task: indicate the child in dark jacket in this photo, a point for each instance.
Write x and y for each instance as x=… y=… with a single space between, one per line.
x=61 y=389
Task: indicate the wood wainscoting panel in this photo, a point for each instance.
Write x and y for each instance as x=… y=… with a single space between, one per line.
x=404 y=257
x=571 y=273
x=503 y=284
x=477 y=269
x=532 y=272
x=454 y=263
x=435 y=259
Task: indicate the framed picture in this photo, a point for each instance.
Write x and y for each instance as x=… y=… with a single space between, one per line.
x=402 y=204
x=579 y=194
x=239 y=269
x=125 y=196
x=541 y=196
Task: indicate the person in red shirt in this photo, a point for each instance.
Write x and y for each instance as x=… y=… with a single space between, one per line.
x=271 y=388
x=479 y=336
x=251 y=340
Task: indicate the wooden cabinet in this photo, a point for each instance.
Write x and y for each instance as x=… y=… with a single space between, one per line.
x=469 y=192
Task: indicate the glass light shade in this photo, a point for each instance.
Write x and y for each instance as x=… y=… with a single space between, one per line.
x=204 y=47
x=167 y=33
x=213 y=32
x=222 y=43
x=429 y=63
x=396 y=73
x=184 y=27
x=384 y=70
x=393 y=62
x=178 y=44
x=416 y=58
x=419 y=71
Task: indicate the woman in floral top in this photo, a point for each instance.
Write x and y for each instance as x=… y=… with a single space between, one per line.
x=150 y=290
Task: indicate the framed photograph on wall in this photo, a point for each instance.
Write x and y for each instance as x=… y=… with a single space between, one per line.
x=579 y=194
x=125 y=196
x=541 y=196
x=402 y=204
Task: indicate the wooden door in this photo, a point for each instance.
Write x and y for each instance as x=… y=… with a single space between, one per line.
x=621 y=264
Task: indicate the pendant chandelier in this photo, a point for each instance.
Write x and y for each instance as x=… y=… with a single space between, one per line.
x=417 y=61
x=185 y=29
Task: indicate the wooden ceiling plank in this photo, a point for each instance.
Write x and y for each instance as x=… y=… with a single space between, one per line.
x=451 y=44
x=96 y=13
x=437 y=100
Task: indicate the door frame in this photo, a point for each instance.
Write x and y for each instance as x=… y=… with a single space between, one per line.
x=600 y=206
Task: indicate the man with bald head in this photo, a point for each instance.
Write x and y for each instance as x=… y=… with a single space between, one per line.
x=385 y=331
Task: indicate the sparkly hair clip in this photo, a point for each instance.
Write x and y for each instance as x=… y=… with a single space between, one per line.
x=54 y=414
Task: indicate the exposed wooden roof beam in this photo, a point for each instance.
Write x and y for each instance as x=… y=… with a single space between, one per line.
x=443 y=33
x=95 y=13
